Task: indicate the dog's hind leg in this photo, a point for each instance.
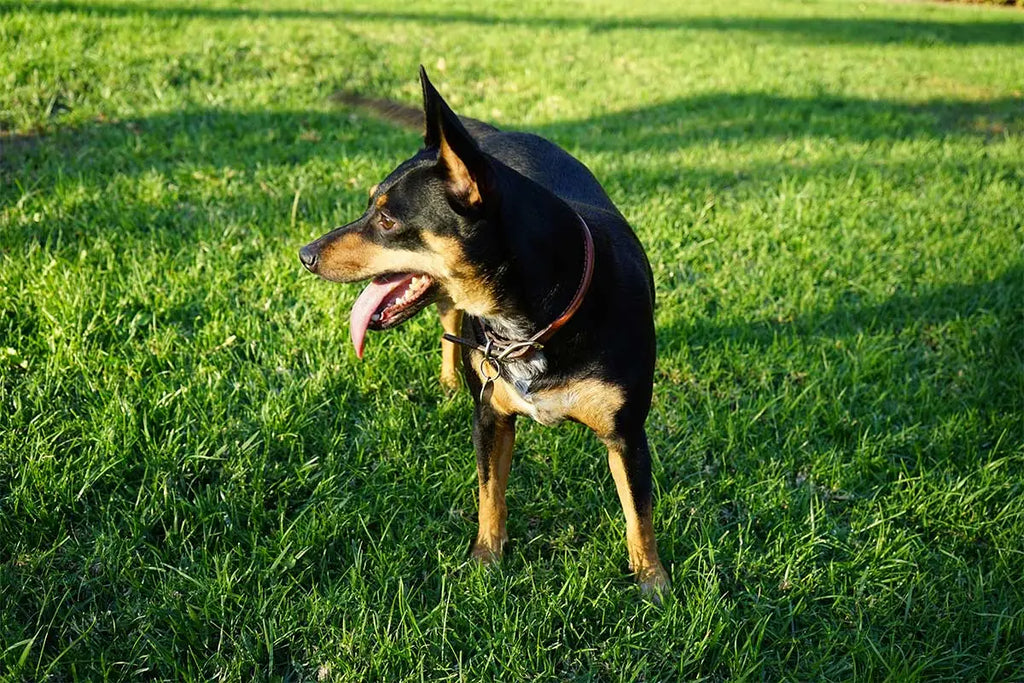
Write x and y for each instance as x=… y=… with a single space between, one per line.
x=630 y=461
x=494 y=436
x=451 y=321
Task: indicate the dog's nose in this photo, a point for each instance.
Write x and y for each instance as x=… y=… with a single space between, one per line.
x=309 y=257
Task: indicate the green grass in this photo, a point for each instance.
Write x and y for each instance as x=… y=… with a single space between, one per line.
x=199 y=480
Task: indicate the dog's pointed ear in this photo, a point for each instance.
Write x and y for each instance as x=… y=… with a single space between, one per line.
x=459 y=160
x=431 y=128
x=462 y=164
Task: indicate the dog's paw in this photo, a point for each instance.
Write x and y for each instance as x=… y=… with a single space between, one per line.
x=654 y=583
x=487 y=552
x=450 y=381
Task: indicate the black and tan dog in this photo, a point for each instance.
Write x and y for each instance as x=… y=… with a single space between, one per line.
x=537 y=277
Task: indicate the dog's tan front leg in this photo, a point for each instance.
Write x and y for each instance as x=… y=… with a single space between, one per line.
x=630 y=462
x=451 y=321
x=494 y=436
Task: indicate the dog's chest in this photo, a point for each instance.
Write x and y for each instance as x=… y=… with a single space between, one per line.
x=548 y=407
x=591 y=401
x=511 y=393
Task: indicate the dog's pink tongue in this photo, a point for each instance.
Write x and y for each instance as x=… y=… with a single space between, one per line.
x=367 y=304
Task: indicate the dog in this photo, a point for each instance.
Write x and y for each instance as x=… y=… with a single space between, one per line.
x=544 y=292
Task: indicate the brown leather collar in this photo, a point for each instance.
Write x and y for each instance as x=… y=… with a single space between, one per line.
x=497 y=350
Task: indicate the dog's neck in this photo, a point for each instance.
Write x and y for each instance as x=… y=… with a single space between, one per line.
x=544 y=276
x=544 y=260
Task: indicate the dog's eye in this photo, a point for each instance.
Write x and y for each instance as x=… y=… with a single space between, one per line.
x=386 y=222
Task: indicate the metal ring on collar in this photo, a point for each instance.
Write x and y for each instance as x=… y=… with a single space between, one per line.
x=495 y=367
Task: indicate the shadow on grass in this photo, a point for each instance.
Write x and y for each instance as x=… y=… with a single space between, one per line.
x=227 y=139
x=809 y=29
x=918 y=346
x=208 y=140
x=752 y=117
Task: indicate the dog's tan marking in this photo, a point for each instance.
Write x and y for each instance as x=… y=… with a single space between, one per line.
x=460 y=181
x=491 y=534
x=596 y=403
x=354 y=258
x=640 y=541
x=382 y=200
x=589 y=401
x=373 y=190
x=451 y=321
x=503 y=398
x=462 y=281
x=351 y=256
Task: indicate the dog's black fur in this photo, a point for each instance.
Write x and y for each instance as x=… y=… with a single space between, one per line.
x=493 y=218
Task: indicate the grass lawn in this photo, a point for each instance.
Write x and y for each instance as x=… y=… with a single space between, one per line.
x=199 y=480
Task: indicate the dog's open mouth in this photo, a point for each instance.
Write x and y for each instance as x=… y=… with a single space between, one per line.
x=387 y=301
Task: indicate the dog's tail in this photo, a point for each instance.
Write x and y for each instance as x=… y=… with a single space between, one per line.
x=389 y=110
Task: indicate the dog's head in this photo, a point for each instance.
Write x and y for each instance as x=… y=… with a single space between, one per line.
x=424 y=233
